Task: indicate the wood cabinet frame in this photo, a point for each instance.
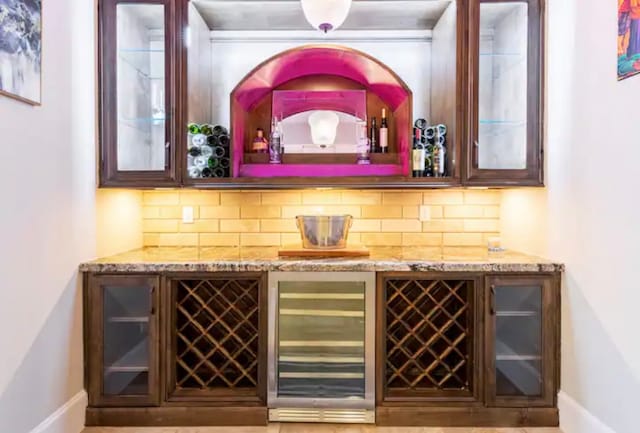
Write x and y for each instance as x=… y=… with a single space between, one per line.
x=172 y=396
x=109 y=175
x=532 y=175
x=431 y=398
x=94 y=341
x=550 y=324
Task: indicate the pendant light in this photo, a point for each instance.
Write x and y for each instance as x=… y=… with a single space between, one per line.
x=326 y=15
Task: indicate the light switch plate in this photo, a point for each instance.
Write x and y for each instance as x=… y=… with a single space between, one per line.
x=425 y=213
x=187 y=215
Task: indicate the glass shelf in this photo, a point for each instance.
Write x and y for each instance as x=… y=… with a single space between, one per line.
x=491 y=122
x=517 y=313
x=117 y=319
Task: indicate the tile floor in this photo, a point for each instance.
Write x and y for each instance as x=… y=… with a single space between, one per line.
x=316 y=428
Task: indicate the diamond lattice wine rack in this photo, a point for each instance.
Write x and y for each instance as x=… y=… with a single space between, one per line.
x=428 y=338
x=216 y=345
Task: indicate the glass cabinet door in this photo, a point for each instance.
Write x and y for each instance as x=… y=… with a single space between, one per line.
x=506 y=139
x=521 y=343
x=137 y=78
x=123 y=340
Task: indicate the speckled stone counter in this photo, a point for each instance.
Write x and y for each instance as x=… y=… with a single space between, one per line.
x=252 y=259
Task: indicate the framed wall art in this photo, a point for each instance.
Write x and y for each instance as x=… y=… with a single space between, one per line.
x=21 y=50
x=628 y=38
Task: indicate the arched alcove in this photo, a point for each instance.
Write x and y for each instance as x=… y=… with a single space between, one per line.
x=326 y=68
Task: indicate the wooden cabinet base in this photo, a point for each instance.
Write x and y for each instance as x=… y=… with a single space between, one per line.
x=466 y=417
x=177 y=416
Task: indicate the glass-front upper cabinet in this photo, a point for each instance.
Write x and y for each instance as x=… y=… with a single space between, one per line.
x=138 y=82
x=123 y=343
x=521 y=344
x=506 y=112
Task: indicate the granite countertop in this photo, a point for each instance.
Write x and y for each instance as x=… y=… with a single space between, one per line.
x=252 y=259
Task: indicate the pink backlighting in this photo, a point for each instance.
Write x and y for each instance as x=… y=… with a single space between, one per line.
x=321 y=60
x=319 y=170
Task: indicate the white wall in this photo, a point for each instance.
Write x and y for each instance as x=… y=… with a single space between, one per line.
x=410 y=59
x=48 y=226
x=588 y=217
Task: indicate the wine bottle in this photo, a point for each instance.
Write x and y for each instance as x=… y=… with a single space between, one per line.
x=439 y=154
x=225 y=162
x=373 y=133
x=275 y=147
x=421 y=124
x=218 y=172
x=418 y=154
x=193 y=128
x=224 y=140
x=260 y=144
x=207 y=172
x=206 y=129
x=384 y=133
x=195 y=151
x=213 y=162
x=213 y=140
x=219 y=151
x=220 y=130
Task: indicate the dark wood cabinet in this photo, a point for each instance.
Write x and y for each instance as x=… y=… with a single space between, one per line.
x=487 y=74
x=122 y=340
x=505 y=147
x=522 y=344
x=452 y=349
x=139 y=85
x=216 y=348
x=427 y=338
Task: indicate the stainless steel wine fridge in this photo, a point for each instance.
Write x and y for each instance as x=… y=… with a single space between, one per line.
x=321 y=347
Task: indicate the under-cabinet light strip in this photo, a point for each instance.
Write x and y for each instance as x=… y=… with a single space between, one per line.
x=320 y=343
x=323 y=313
x=321 y=359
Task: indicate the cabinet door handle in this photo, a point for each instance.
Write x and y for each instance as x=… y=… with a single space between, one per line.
x=492 y=301
x=153 y=301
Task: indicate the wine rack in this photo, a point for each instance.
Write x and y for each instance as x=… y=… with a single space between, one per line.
x=216 y=341
x=428 y=337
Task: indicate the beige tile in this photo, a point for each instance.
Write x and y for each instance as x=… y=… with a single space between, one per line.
x=161 y=198
x=381 y=211
x=381 y=239
x=442 y=225
x=166 y=212
x=361 y=198
x=293 y=211
x=321 y=197
x=240 y=198
x=462 y=239
x=219 y=239
x=401 y=225
x=443 y=197
x=259 y=239
x=199 y=198
x=422 y=239
x=240 y=226
x=401 y=198
x=463 y=211
x=260 y=211
x=171 y=239
x=278 y=226
x=291 y=239
x=437 y=211
x=411 y=212
x=160 y=226
x=281 y=198
x=463 y=251
x=481 y=225
x=491 y=211
x=200 y=226
x=482 y=197
x=364 y=225
x=219 y=212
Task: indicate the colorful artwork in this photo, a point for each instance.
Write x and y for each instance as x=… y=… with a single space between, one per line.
x=628 y=38
x=21 y=49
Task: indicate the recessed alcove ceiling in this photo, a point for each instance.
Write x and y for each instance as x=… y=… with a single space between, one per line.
x=260 y=15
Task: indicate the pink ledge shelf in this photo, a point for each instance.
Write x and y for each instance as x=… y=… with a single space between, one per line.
x=319 y=170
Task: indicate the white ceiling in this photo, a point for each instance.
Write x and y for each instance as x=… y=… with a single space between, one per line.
x=288 y=15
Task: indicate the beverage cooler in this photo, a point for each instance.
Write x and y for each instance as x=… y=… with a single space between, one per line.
x=321 y=347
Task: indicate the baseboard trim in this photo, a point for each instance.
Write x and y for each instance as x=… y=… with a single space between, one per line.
x=68 y=418
x=574 y=418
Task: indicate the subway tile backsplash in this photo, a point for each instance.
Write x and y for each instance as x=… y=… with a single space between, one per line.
x=459 y=218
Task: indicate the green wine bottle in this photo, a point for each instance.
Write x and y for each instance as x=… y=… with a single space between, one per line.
x=206 y=129
x=194 y=128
